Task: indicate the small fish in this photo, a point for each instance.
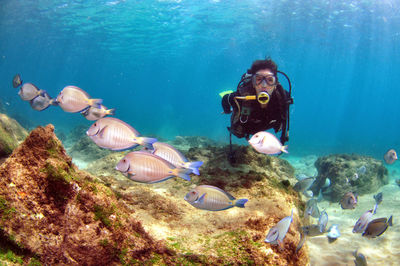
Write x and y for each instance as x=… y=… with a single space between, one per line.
x=16 y=82
x=312 y=209
x=323 y=221
x=390 y=156
x=73 y=100
x=377 y=227
x=212 y=199
x=308 y=231
x=360 y=259
x=42 y=102
x=333 y=233
x=363 y=221
x=145 y=167
x=362 y=170
x=378 y=198
x=348 y=201
x=172 y=155
x=301 y=177
x=277 y=233
x=327 y=183
x=28 y=91
x=114 y=134
x=308 y=194
x=355 y=177
x=93 y=113
x=304 y=184
x=398 y=182
x=267 y=143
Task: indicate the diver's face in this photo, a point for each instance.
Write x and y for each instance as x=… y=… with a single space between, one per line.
x=264 y=80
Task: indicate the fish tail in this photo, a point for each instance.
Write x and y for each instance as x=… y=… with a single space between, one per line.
x=42 y=93
x=284 y=149
x=53 y=102
x=390 y=223
x=241 y=202
x=110 y=111
x=183 y=173
x=194 y=166
x=147 y=142
x=95 y=102
x=375 y=208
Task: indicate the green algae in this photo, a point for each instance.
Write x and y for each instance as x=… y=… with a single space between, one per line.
x=6 y=212
x=101 y=213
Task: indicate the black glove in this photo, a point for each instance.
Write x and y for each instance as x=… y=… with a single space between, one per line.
x=225 y=104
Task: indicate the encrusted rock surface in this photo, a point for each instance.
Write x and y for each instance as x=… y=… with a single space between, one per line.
x=61 y=215
x=345 y=175
x=235 y=236
x=11 y=135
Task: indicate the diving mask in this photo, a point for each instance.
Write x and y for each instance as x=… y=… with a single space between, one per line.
x=263 y=97
x=264 y=80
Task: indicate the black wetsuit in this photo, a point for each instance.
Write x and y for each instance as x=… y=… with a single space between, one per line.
x=258 y=119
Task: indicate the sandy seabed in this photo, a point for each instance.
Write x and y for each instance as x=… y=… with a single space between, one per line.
x=383 y=250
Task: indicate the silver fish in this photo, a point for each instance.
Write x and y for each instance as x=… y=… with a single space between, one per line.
x=114 y=134
x=308 y=231
x=145 y=167
x=362 y=170
x=73 y=100
x=277 y=233
x=304 y=184
x=41 y=103
x=390 y=156
x=267 y=143
x=172 y=155
x=323 y=221
x=16 y=82
x=312 y=209
x=377 y=227
x=333 y=233
x=212 y=199
x=360 y=259
x=348 y=201
x=363 y=221
x=308 y=194
x=28 y=91
x=94 y=113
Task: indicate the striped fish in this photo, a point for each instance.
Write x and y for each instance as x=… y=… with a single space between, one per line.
x=175 y=157
x=73 y=100
x=145 y=167
x=114 y=134
x=212 y=199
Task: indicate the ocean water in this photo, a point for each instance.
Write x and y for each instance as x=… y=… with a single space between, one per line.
x=161 y=65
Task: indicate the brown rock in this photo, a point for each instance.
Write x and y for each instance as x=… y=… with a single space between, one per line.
x=63 y=215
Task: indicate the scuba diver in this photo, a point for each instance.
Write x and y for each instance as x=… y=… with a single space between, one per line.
x=259 y=103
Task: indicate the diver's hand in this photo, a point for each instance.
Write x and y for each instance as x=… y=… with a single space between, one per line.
x=226 y=105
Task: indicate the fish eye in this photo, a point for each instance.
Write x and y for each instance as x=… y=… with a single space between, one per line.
x=124 y=160
x=193 y=192
x=95 y=124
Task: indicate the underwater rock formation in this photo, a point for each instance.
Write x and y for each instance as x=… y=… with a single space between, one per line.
x=355 y=173
x=234 y=236
x=59 y=215
x=11 y=134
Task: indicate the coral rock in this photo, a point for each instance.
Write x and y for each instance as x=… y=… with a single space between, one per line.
x=345 y=175
x=11 y=134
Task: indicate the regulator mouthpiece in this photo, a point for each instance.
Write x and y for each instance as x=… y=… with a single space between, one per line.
x=263 y=97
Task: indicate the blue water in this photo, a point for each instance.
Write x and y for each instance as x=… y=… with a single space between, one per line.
x=161 y=64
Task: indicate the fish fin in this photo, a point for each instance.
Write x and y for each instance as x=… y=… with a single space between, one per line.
x=147 y=142
x=301 y=242
x=284 y=149
x=101 y=132
x=390 y=222
x=42 y=93
x=95 y=102
x=375 y=208
x=183 y=173
x=241 y=202
x=201 y=199
x=194 y=166
x=110 y=112
x=223 y=191
x=53 y=102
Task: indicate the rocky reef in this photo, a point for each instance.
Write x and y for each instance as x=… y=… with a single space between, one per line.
x=11 y=135
x=53 y=213
x=355 y=173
